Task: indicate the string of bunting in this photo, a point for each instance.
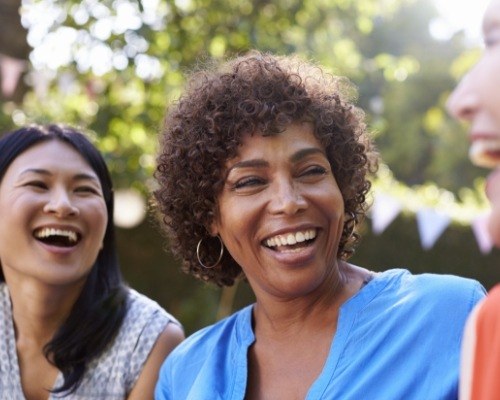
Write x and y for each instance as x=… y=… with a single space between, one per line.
x=434 y=209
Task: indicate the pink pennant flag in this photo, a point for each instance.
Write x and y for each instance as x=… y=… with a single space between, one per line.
x=481 y=233
x=10 y=70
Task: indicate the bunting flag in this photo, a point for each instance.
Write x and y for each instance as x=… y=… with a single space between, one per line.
x=384 y=210
x=481 y=233
x=431 y=224
x=11 y=70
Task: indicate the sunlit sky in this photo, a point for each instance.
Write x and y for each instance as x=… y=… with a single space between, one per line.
x=460 y=15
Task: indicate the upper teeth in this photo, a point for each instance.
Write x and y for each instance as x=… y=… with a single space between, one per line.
x=46 y=232
x=291 y=238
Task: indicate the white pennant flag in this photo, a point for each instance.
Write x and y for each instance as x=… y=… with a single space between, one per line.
x=481 y=233
x=384 y=210
x=431 y=224
x=10 y=69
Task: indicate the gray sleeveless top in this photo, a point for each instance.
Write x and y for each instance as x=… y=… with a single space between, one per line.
x=110 y=376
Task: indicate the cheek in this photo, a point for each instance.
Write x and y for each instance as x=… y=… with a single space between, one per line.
x=490 y=79
x=494 y=226
x=98 y=219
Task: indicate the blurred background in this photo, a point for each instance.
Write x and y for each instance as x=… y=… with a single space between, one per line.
x=112 y=66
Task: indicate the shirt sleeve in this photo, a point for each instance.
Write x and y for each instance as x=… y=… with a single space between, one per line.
x=486 y=359
x=144 y=322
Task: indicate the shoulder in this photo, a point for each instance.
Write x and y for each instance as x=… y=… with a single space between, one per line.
x=140 y=307
x=438 y=286
x=171 y=336
x=214 y=340
x=488 y=311
x=146 y=331
x=434 y=294
x=206 y=356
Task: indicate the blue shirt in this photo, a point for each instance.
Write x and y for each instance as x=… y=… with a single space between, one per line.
x=399 y=337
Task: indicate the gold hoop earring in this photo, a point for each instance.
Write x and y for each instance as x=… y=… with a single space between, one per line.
x=220 y=254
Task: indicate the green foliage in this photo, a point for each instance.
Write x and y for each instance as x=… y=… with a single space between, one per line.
x=124 y=71
x=125 y=60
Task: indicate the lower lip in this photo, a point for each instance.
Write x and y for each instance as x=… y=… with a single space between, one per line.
x=58 y=250
x=294 y=258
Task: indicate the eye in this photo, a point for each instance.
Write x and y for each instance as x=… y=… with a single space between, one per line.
x=314 y=170
x=36 y=184
x=248 y=182
x=492 y=38
x=87 y=189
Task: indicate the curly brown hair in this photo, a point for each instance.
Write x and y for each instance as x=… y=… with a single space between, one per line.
x=204 y=128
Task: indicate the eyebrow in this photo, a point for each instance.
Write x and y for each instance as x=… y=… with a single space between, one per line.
x=260 y=163
x=77 y=177
x=299 y=155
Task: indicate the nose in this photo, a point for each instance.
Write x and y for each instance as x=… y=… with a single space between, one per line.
x=463 y=102
x=287 y=198
x=60 y=204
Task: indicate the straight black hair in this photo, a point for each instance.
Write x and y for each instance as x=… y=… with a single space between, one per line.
x=100 y=309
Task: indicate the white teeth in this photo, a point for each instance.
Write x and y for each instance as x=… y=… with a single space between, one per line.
x=291 y=238
x=47 y=232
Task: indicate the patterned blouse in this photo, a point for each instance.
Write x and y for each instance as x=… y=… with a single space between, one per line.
x=110 y=376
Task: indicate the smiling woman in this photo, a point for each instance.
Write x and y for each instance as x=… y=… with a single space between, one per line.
x=71 y=328
x=263 y=174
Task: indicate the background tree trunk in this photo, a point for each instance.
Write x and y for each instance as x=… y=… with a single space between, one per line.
x=13 y=43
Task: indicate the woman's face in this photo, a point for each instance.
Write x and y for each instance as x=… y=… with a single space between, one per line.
x=53 y=216
x=477 y=100
x=281 y=213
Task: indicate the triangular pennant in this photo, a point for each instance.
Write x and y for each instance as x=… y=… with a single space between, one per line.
x=431 y=224
x=384 y=210
x=482 y=233
x=10 y=69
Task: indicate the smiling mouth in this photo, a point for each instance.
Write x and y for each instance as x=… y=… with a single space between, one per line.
x=291 y=241
x=57 y=237
x=485 y=152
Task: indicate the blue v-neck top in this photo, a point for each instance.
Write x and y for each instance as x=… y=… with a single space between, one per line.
x=399 y=337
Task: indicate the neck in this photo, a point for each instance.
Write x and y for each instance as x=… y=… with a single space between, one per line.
x=39 y=310
x=312 y=311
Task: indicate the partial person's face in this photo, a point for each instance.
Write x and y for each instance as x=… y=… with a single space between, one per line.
x=281 y=213
x=477 y=100
x=52 y=216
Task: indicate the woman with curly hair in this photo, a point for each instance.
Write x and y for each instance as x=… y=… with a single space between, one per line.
x=263 y=175
x=69 y=326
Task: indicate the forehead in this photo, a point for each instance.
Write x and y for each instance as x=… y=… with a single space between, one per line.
x=292 y=139
x=50 y=155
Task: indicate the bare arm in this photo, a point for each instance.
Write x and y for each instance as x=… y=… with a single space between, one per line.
x=166 y=342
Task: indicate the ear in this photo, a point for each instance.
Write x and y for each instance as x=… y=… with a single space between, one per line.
x=213 y=229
